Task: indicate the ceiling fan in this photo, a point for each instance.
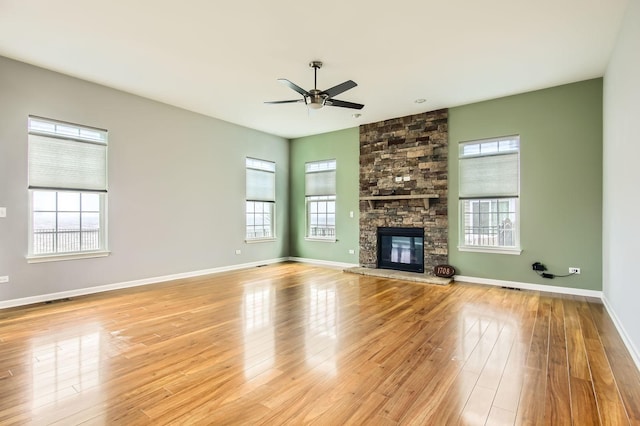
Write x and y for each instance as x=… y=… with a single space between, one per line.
x=316 y=99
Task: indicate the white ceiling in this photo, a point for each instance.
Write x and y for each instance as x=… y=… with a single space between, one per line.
x=222 y=58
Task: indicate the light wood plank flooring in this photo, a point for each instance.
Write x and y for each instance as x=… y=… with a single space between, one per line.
x=296 y=344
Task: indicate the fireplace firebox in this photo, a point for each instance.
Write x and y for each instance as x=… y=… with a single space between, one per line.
x=401 y=249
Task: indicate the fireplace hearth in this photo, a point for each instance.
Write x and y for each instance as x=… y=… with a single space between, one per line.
x=401 y=249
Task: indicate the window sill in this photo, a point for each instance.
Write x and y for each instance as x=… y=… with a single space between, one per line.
x=321 y=240
x=66 y=256
x=260 y=240
x=493 y=250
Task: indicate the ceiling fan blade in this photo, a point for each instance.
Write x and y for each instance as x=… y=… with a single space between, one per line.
x=291 y=101
x=343 y=104
x=294 y=86
x=342 y=87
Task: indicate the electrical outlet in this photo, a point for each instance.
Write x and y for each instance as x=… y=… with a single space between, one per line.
x=238 y=251
x=575 y=271
x=4 y=279
x=352 y=251
x=3 y=212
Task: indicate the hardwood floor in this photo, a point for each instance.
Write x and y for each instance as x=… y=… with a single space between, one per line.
x=296 y=344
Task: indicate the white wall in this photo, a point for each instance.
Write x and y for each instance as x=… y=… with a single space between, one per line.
x=176 y=185
x=621 y=197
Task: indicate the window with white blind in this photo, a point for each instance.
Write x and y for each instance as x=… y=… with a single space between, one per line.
x=489 y=191
x=320 y=198
x=260 y=199
x=67 y=187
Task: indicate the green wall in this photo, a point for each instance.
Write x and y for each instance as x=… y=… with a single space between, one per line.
x=560 y=186
x=344 y=146
x=560 y=183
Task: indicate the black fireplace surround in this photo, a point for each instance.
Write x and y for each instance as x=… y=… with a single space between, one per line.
x=401 y=249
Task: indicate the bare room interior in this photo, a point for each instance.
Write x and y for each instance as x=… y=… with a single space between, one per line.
x=340 y=213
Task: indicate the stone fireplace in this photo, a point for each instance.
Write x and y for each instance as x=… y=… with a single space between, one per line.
x=403 y=183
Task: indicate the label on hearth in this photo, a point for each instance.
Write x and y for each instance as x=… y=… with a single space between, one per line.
x=444 y=271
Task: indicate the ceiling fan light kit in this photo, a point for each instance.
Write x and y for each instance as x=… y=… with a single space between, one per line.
x=316 y=99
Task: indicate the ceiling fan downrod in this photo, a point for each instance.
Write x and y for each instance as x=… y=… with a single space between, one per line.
x=315 y=100
x=316 y=65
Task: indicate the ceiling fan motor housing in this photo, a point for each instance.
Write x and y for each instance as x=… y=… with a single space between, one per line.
x=315 y=100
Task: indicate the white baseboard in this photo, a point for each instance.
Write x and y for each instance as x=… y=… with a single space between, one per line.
x=635 y=354
x=529 y=286
x=128 y=284
x=327 y=263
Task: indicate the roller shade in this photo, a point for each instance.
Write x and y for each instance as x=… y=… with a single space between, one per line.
x=261 y=180
x=65 y=161
x=492 y=174
x=320 y=178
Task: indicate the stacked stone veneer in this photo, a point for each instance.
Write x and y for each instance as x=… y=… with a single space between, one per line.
x=414 y=146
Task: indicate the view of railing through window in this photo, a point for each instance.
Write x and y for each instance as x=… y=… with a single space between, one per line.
x=490 y=222
x=321 y=216
x=65 y=240
x=323 y=232
x=259 y=216
x=66 y=222
x=501 y=235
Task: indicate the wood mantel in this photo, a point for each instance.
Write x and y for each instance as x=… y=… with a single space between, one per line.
x=426 y=198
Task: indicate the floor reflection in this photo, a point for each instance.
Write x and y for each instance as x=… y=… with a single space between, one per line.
x=258 y=316
x=64 y=367
x=322 y=330
x=486 y=343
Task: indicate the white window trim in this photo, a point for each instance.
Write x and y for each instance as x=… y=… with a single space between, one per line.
x=267 y=166
x=274 y=237
x=517 y=250
x=54 y=257
x=330 y=239
x=260 y=240
x=321 y=240
x=91 y=135
x=320 y=166
x=67 y=256
x=493 y=250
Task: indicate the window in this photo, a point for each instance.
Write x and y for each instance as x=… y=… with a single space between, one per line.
x=67 y=186
x=320 y=197
x=489 y=194
x=261 y=199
